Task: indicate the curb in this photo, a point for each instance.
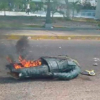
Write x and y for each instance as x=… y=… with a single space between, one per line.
x=57 y=37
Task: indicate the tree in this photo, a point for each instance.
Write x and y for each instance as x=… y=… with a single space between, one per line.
x=75 y=6
x=19 y=5
x=39 y=6
x=67 y=9
x=54 y=6
x=48 y=17
x=32 y=6
x=4 y=6
x=87 y=5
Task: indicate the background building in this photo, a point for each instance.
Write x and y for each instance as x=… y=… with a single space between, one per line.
x=92 y=2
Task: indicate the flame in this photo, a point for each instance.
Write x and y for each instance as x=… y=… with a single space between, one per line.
x=26 y=63
x=17 y=66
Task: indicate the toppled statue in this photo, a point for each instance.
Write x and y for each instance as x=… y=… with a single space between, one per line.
x=60 y=67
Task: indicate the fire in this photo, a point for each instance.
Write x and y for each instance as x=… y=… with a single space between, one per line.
x=25 y=63
x=17 y=66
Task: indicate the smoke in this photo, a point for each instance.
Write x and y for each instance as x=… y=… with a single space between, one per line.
x=13 y=48
x=23 y=46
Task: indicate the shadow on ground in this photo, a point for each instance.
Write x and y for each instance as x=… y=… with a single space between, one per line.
x=7 y=80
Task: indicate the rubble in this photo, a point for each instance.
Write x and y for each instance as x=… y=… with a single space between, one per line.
x=95 y=64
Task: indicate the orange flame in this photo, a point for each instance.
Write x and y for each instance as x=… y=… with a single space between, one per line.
x=17 y=66
x=26 y=64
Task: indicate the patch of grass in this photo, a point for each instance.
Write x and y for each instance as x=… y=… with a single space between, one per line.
x=9 y=25
x=99 y=24
x=58 y=26
x=12 y=25
x=34 y=26
x=38 y=22
x=85 y=20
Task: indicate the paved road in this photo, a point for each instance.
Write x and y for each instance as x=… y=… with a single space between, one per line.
x=82 y=88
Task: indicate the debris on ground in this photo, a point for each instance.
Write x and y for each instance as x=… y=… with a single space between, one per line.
x=95 y=64
x=60 y=47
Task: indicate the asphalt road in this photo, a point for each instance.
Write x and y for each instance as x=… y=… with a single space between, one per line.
x=81 y=88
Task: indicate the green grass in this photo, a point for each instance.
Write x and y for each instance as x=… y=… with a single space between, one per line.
x=85 y=20
x=9 y=25
x=34 y=26
x=38 y=22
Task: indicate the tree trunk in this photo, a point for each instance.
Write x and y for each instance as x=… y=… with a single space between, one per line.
x=48 y=17
x=4 y=12
x=73 y=13
x=52 y=15
x=67 y=9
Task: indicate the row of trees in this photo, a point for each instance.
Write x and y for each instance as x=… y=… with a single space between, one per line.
x=73 y=6
x=19 y=5
x=55 y=6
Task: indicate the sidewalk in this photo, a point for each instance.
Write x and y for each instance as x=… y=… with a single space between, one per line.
x=78 y=34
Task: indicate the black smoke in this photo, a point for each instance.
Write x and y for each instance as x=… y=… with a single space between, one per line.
x=23 y=46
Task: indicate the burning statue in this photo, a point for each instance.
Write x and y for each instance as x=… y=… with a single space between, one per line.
x=59 y=67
